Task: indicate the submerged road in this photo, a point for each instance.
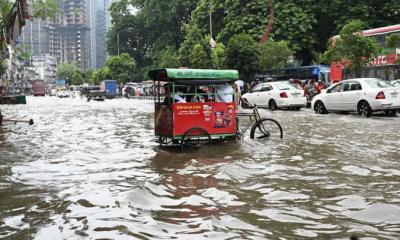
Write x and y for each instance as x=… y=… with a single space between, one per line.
x=93 y=171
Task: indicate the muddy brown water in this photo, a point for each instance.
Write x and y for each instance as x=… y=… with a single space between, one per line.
x=93 y=171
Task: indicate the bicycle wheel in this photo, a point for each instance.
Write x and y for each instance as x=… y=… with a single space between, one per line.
x=266 y=128
x=194 y=138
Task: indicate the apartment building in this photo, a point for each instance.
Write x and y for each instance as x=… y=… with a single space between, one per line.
x=69 y=34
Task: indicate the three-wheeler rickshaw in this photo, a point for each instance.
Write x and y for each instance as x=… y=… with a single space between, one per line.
x=194 y=107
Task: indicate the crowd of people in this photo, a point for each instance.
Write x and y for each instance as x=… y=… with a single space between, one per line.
x=221 y=93
x=312 y=88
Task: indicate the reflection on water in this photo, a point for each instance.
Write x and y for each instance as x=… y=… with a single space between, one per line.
x=92 y=170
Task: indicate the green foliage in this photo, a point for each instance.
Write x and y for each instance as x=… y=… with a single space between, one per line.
x=244 y=17
x=100 y=75
x=199 y=57
x=393 y=41
x=242 y=54
x=157 y=25
x=294 y=24
x=353 y=47
x=43 y=8
x=5 y=8
x=169 y=58
x=176 y=26
x=71 y=73
x=24 y=52
x=193 y=36
x=218 y=56
x=275 y=55
x=121 y=68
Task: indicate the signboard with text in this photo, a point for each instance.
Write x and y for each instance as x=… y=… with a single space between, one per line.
x=215 y=118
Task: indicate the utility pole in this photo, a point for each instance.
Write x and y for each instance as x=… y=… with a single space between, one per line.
x=126 y=29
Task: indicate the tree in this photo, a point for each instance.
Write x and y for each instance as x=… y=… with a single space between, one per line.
x=121 y=68
x=275 y=55
x=193 y=36
x=295 y=23
x=247 y=17
x=218 y=56
x=393 y=41
x=305 y=25
x=169 y=59
x=100 y=75
x=242 y=54
x=157 y=25
x=199 y=57
x=70 y=72
x=13 y=16
x=352 y=47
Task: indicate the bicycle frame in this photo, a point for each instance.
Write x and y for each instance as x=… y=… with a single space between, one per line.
x=255 y=115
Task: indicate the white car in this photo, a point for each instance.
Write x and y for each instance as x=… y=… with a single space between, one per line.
x=275 y=95
x=364 y=95
x=396 y=83
x=63 y=94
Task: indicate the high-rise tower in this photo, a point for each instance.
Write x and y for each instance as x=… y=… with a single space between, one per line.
x=69 y=38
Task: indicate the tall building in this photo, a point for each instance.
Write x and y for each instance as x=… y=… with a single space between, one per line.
x=100 y=39
x=100 y=22
x=69 y=35
x=77 y=34
x=35 y=36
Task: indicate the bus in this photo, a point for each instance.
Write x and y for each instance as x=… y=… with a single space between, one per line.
x=303 y=73
x=380 y=67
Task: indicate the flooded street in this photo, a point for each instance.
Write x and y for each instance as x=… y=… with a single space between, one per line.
x=93 y=171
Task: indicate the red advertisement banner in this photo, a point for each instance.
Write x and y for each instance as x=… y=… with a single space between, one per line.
x=215 y=118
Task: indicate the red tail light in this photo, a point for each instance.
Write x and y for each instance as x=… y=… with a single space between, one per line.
x=283 y=95
x=381 y=95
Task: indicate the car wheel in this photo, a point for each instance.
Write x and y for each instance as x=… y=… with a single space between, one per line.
x=364 y=109
x=245 y=103
x=319 y=108
x=272 y=105
x=391 y=113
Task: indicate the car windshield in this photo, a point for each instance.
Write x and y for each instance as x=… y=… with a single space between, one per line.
x=284 y=86
x=377 y=83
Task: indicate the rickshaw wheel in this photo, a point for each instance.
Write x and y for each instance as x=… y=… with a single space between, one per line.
x=194 y=138
x=266 y=128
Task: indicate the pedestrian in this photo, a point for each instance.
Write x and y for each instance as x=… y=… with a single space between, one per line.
x=1 y=118
x=320 y=86
x=239 y=89
x=311 y=89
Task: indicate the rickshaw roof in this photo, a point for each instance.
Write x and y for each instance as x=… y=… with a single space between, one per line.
x=196 y=75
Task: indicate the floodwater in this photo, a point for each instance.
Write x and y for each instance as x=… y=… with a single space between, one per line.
x=93 y=171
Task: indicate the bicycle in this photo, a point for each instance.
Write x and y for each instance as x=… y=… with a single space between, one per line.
x=260 y=127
